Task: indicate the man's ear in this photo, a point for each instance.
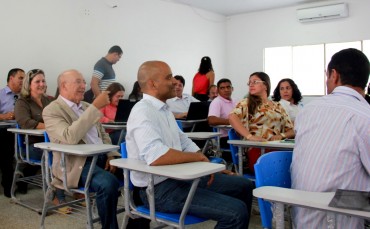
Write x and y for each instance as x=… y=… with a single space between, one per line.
x=336 y=77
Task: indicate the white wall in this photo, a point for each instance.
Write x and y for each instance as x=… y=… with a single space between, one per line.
x=63 y=34
x=248 y=34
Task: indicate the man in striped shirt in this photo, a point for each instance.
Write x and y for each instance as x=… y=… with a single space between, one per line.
x=104 y=74
x=332 y=148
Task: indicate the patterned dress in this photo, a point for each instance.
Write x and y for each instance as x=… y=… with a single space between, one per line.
x=269 y=120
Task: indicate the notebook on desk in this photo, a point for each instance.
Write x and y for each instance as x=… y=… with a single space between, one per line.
x=123 y=112
x=351 y=199
x=197 y=111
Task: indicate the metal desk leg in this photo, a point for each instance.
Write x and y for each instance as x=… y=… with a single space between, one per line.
x=240 y=158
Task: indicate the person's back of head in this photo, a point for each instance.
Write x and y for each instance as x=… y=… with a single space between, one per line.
x=353 y=67
x=205 y=65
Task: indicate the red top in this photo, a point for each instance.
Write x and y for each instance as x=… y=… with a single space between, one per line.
x=200 y=84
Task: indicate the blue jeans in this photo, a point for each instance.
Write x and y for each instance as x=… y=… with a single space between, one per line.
x=106 y=187
x=228 y=200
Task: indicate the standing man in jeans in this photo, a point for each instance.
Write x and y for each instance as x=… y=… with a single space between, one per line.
x=154 y=137
x=8 y=96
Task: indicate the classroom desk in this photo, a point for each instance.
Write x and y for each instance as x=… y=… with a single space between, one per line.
x=191 y=122
x=93 y=150
x=186 y=171
x=116 y=127
x=314 y=200
x=7 y=123
x=26 y=133
x=241 y=144
x=203 y=136
x=218 y=129
x=35 y=180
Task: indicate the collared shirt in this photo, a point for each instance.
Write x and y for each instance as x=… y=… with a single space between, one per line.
x=7 y=100
x=151 y=131
x=180 y=105
x=92 y=135
x=332 y=151
x=221 y=108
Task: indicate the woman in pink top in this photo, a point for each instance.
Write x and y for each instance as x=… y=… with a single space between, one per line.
x=116 y=92
x=203 y=79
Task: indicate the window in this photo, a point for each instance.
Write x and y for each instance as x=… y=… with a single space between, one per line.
x=305 y=64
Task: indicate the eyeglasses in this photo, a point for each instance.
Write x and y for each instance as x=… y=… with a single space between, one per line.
x=254 y=82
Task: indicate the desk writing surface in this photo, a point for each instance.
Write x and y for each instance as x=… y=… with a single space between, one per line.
x=78 y=149
x=202 y=135
x=35 y=132
x=184 y=171
x=315 y=200
x=267 y=144
x=114 y=126
x=6 y=123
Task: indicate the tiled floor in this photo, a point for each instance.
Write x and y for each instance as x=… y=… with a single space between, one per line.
x=14 y=216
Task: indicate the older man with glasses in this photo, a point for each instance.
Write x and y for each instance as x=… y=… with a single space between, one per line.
x=8 y=96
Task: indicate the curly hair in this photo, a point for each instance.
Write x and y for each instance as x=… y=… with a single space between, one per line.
x=297 y=96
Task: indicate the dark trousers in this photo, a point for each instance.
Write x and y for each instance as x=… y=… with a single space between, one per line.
x=7 y=159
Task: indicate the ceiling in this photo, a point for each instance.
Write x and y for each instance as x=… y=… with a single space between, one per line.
x=233 y=7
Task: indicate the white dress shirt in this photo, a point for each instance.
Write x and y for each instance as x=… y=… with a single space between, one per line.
x=180 y=105
x=151 y=131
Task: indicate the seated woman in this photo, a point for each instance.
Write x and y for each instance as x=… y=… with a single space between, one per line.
x=116 y=92
x=288 y=94
x=257 y=118
x=28 y=114
x=136 y=93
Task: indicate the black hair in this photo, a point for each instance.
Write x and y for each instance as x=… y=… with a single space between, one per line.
x=223 y=80
x=352 y=66
x=115 y=49
x=181 y=79
x=297 y=96
x=13 y=72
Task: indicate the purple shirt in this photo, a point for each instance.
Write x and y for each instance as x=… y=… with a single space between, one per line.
x=221 y=108
x=7 y=100
x=332 y=151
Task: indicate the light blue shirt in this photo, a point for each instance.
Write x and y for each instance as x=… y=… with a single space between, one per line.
x=151 y=131
x=7 y=100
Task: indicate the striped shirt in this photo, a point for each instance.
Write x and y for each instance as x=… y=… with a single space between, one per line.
x=332 y=151
x=151 y=131
x=103 y=70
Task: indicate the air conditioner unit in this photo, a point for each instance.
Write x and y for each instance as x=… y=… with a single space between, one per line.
x=324 y=12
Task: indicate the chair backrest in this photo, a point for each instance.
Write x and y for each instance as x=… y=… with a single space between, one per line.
x=179 y=123
x=50 y=153
x=272 y=169
x=234 y=150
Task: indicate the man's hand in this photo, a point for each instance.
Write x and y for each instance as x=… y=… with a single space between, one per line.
x=109 y=167
x=8 y=116
x=101 y=100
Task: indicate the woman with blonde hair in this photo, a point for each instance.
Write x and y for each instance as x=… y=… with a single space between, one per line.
x=28 y=114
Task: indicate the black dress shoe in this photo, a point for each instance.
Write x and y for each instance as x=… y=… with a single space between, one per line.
x=7 y=192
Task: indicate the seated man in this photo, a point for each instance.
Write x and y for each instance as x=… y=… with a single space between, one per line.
x=333 y=139
x=179 y=105
x=154 y=137
x=212 y=92
x=69 y=120
x=220 y=108
x=8 y=96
